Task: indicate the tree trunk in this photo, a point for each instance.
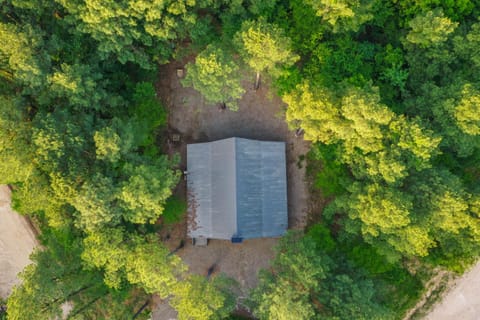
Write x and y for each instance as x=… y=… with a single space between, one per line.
x=257 y=82
x=87 y=305
x=140 y=310
x=64 y=299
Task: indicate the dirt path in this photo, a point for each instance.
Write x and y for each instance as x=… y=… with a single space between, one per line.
x=16 y=243
x=260 y=116
x=433 y=288
x=462 y=301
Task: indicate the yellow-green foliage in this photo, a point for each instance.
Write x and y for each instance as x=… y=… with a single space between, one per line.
x=216 y=76
x=264 y=46
x=430 y=28
x=467 y=112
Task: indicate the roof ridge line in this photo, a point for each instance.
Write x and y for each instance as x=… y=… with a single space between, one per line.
x=235 y=206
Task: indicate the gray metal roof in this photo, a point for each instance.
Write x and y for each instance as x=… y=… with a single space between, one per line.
x=237 y=188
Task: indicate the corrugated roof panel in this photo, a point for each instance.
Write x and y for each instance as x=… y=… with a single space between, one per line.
x=249 y=188
x=275 y=211
x=223 y=210
x=261 y=189
x=199 y=189
x=211 y=189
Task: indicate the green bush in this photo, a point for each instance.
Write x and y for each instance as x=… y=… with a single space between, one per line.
x=320 y=234
x=334 y=176
x=174 y=210
x=368 y=258
x=147 y=107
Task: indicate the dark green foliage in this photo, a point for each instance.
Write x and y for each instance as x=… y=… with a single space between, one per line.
x=367 y=257
x=389 y=93
x=422 y=158
x=342 y=59
x=56 y=277
x=147 y=108
x=333 y=178
x=175 y=209
x=289 y=79
x=320 y=234
x=306 y=282
x=77 y=135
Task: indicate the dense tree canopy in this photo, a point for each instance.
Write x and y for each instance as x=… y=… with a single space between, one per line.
x=388 y=92
x=56 y=278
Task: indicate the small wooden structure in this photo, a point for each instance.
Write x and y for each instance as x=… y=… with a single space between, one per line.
x=175 y=138
x=180 y=73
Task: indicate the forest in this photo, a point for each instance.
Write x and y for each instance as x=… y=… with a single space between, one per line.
x=387 y=91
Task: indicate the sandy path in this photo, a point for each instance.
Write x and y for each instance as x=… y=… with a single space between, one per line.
x=16 y=243
x=462 y=301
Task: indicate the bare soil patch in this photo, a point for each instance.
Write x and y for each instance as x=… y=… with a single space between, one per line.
x=462 y=300
x=260 y=116
x=17 y=241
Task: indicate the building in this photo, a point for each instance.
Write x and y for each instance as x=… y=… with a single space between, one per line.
x=237 y=189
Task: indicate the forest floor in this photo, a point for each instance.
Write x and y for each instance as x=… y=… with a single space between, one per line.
x=260 y=116
x=17 y=241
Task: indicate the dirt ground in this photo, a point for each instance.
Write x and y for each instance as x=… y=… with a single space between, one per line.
x=462 y=300
x=17 y=241
x=260 y=116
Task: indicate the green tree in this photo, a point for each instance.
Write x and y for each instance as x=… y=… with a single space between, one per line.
x=309 y=280
x=78 y=84
x=132 y=31
x=21 y=57
x=451 y=108
x=216 y=76
x=467 y=46
x=108 y=144
x=144 y=193
x=430 y=28
x=344 y=14
x=284 y=291
x=138 y=258
x=314 y=110
x=372 y=138
x=467 y=112
x=448 y=211
x=150 y=265
x=94 y=202
x=198 y=298
x=383 y=217
x=15 y=151
x=264 y=47
x=56 y=277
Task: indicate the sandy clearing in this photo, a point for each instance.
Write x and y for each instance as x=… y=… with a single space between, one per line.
x=260 y=116
x=16 y=243
x=462 y=300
